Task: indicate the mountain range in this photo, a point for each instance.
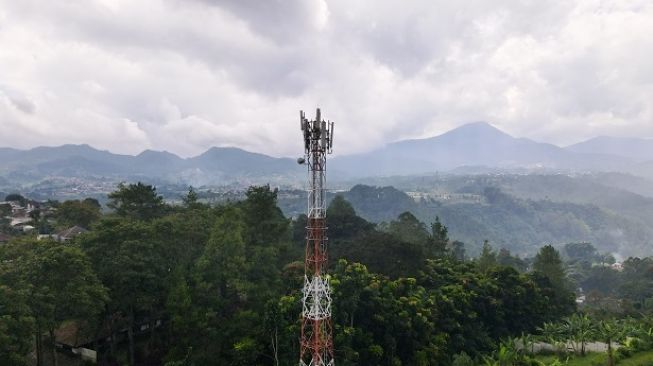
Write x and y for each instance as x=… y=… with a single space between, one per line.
x=637 y=149
x=218 y=164
x=475 y=146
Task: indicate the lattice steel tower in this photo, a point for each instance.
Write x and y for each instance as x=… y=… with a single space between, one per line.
x=316 y=343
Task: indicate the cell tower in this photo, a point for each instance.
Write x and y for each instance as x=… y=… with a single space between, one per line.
x=316 y=343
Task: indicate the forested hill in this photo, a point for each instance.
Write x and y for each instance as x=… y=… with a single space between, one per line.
x=193 y=284
x=518 y=224
x=216 y=165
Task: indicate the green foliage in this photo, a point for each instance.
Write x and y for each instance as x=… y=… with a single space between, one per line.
x=342 y=220
x=462 y=359
x=458 y=250
x=15 y=197
x=409 y=229
x=224 y=283
x=439 y=239
x=382 y=253
x=136 y=201
x=57 y=282
x=5 y=209
x=488 y=258
x=191 y=200
x=585 y=252
x=78 y=212
x=518 y=224
x=548 y=262
x=16 y=326
x=505 y=258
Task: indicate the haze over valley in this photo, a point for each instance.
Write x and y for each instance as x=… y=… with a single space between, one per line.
x=483 y=183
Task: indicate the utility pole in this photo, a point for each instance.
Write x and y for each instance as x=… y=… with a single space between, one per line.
x=316 y=342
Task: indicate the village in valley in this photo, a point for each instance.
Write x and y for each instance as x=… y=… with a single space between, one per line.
x=20 y=216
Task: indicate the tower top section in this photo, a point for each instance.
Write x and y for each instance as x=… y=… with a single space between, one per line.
x=318 y=133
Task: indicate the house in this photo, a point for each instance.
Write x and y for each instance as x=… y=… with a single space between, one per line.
x=70 y=233
x=617 y=266
x=28 y=228
x=20 y=221
x=76 y=338
x=47 y=236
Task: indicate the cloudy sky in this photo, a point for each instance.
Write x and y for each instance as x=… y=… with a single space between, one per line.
x=184 y=75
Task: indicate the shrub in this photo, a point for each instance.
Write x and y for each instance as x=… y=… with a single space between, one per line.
x=462 y=359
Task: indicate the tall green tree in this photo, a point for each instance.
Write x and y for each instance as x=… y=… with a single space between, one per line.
x=78 y=212
x=488 y=258
x=548 y=262
x=505 y=258
x=584 y=252
x=439 y=239
x=16 y=326
x=265 y=223
x=549 y=273
x=64 y=275
x=343 y=222
x=221 y=288
x=129 y=257
x=409 y=229
x=136 y=201
x=59 y=284
x=458 y=250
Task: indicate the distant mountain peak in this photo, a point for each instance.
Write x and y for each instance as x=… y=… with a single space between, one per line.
x=480 y=127
x=149 y=152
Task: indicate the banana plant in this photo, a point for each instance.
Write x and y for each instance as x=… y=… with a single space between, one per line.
x=611 y=332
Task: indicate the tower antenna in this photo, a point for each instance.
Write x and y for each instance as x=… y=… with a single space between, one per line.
x=316 y=342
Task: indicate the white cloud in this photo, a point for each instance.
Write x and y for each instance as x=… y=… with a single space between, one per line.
x=184 y=76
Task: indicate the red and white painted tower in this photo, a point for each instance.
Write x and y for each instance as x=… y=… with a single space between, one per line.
x=316 y=343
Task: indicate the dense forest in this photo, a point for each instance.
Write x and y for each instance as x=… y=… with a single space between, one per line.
x=193 y=284
x=519 y=224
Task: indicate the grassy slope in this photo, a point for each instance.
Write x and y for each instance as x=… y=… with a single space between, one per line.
x=597 y=359
x=639 y=359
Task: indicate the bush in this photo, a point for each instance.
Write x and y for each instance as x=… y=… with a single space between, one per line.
x=462 y=359
x=636 y=344
x=623 y=353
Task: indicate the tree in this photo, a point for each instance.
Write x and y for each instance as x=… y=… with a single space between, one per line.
x=439 y=238
x=504 y=258
x=548 y=262
x=585 y=252
x=267 y=235
x=603 y=279
x=219 y=277
x=488 y=258
x=76 y=212
x=16 y=326
x=129 y=258
x=581 y=330
x=383 y=253
x=15 y=197
x=136 y=201
x=191 y=200
x=409 y=229
x=342 y=220
x=5 y=209
x=179 y=305
x=458 y=250
x=611 y=332
x=61 y=285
